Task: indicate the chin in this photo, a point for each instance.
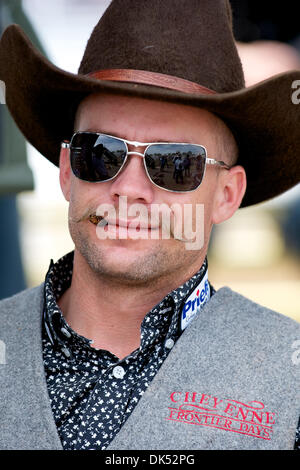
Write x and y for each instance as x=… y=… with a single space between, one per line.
x=126 y=262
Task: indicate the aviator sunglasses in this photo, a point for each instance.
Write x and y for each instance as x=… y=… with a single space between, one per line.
x=176 y=167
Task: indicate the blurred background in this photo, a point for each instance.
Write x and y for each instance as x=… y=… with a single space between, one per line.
x=256 y=253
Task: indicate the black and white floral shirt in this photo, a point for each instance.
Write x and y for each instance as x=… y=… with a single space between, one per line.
x=92 y=392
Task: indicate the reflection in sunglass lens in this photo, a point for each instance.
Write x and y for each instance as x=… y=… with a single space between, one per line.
x=177 y=167
x=95 y=157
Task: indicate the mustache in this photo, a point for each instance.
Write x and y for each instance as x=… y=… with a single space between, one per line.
x=91 y=215
x=87 y=215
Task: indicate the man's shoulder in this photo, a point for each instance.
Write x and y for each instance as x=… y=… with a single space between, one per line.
x=24 y=302
x=239 y=305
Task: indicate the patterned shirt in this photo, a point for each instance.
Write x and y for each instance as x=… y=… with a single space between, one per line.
x=92 y=392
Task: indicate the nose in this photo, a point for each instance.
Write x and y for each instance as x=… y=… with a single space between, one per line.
x=133 y=182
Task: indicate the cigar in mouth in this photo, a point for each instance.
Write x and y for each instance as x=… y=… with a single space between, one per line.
x=97 y=219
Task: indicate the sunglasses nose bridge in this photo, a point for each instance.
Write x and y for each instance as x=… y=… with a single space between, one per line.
x=133 y=146
x=142 y=155
x=136 y=153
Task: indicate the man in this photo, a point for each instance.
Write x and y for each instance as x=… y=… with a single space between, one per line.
x=179 y=170
x=126 y=345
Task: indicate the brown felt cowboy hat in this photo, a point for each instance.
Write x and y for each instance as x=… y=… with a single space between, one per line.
x=174 y=50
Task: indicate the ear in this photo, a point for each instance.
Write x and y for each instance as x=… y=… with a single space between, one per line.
x=65 y=172
x=230 y=192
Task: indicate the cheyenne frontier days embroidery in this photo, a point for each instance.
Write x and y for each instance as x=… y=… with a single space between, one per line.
x=230 y=415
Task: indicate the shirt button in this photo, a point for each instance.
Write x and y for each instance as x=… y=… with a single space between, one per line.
x=66 y=352
x=118 y=372
x=169 y=343
x=65 y=332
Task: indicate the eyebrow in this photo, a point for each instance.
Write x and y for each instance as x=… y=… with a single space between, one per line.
x=115 y=134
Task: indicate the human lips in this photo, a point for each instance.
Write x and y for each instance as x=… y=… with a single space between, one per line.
x=128 y=224
x=132 y=223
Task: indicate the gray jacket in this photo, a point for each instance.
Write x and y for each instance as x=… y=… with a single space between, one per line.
x=230 y=382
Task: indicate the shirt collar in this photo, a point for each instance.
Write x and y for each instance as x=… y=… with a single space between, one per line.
x=164 y=321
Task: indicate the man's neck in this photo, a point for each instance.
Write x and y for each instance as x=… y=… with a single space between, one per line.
x=110 y=313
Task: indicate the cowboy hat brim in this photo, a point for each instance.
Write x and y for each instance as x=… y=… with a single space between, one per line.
x=43 y=99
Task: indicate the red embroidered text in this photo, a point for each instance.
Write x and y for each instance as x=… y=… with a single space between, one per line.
x=230 y=415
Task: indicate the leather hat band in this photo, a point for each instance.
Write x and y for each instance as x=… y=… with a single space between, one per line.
x=151 y=78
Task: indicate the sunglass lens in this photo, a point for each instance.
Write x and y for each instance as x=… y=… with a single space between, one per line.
x=177 y=167
x=96 y=157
